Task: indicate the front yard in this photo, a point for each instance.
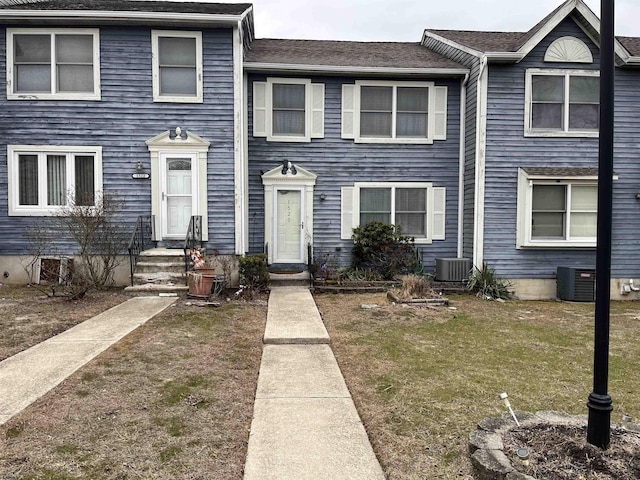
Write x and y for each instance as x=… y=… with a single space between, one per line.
x=174 y=399
x=422 y=378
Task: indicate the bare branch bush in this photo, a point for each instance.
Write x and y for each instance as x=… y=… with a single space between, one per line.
x=99 y=236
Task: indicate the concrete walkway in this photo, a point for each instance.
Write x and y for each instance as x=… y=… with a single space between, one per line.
x=305 y=425
x=30 y=374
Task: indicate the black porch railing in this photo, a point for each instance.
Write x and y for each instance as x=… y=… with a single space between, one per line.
x=193 y=239
x=141 y=237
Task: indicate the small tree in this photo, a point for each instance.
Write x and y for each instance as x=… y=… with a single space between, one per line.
x=99 y=236
x=382 y=248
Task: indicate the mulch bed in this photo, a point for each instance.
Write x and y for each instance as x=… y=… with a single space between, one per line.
x=561 y=452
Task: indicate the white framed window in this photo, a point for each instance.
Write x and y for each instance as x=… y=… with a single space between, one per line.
x=45 y=179
x=418 y=208
x=177 y=66
x=394 y=112
x=53 y=64
x=288 y=110
x=557 y=211
x=564 y=103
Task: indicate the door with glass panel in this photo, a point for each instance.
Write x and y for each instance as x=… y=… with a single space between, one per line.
x=178 y=195
x=289 y=226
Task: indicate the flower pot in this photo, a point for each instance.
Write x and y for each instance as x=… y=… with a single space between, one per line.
x=200 y=285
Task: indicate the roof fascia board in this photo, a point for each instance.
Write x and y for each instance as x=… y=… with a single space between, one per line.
x=166 y=17
x=565 y=12
x=594 y=21
x=283 y=67
x=451 y=43
x=505 y=57
x=548 y=27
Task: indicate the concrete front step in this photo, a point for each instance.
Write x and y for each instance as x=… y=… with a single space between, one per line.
x=159 y=278
x=152 y=267
x=301 y=279
x=156 y=289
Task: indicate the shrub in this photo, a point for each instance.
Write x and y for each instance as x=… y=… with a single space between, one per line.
x=98 y=236
x=486 y=284
x=254 y=272
x=383 y=249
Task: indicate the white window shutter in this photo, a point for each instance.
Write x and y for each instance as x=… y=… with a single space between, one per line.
x=438 y=213
x=317 y=110
x=440 y=113
x=348 y=111
x=259 y=109
x=346 y=213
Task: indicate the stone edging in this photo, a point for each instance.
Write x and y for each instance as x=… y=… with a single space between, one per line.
x=487 y=449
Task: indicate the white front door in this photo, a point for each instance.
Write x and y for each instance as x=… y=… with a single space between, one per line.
x=289 y=226
x=178 y=195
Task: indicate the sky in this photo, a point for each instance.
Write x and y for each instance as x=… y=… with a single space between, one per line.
x=405 y=20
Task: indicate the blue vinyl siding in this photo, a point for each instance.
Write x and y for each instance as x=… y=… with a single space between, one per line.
x=123 y=120
x=339 y=163
x=507 y=149
x=472 y=62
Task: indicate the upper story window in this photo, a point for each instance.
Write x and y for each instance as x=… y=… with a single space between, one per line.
x=44 y=179
x=53 y=64
x=177 y=66
x=394 y=112
x=557 y=209
x=288 y=110
x=562 y=103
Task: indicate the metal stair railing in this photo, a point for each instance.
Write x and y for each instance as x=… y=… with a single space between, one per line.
x=192 y=240
x=141 y=237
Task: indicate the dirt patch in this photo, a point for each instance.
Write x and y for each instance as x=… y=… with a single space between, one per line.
x=30 y=317
x=561 y=452
x=174 y=399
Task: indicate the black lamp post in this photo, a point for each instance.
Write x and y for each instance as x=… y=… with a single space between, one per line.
x=600 y=404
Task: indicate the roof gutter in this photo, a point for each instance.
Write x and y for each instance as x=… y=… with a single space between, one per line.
x=124 y=16
x=341 y=69
x=504 y=57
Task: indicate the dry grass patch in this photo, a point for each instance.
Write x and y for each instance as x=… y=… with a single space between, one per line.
x=421 y=378
x=174 y=399
x=30 y=317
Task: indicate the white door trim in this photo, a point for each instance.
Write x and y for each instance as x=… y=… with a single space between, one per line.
x=303 y=180
x=303 y=216
x=164 y=144
x=164 y=157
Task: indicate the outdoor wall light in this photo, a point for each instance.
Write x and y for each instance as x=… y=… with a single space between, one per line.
x=139 y=166
x=287 y=166
x=323 y=197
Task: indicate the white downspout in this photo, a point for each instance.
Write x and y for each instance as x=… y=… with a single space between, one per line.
x=481 y=123
x=239 y=141
x=461 y=168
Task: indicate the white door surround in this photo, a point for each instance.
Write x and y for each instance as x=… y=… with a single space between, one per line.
x=168 y=198
x=179 y=193
x=288 y=224
x=281 y=215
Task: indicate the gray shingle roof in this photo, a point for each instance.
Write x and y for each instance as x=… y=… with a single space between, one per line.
x=632 y=44
x=128 y=6
x=346 y=54
x=484 y=41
